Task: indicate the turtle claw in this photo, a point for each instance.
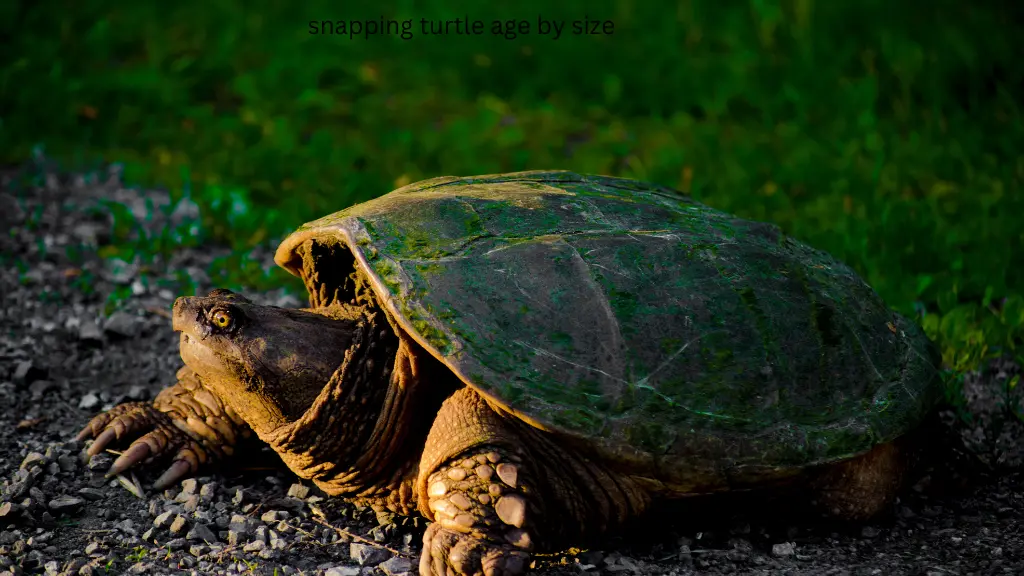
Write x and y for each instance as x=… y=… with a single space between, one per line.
x=106 y=437
x=135 y=453
x=159 y=442
x=162 y=438
x=121 y=421
x=178 y=470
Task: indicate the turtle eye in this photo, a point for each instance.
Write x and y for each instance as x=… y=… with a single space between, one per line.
x=221 y=319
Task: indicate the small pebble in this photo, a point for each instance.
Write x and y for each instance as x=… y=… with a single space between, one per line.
x=784 y=549
x=66 y=504
x=89 y=401
x=343 y=571
x=208 y=491
x=298 y=490
x=89 y=331
x=188 y=487
x=91 y=494
x=201 y=532
x=367 y=555
x=255 y=546
x=101 y=462
x=178 y=525
x=163 y=519
x=274 y=516
x=396 y=566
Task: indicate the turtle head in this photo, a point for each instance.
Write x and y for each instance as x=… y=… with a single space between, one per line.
x=268 y=363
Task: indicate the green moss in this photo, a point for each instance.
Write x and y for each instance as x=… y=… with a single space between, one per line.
x=624 y=304
x=424 y=326
x=562 y=340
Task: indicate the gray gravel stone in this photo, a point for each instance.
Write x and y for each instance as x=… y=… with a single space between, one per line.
x=91 y=494
x=90 y=332
x=367 y=555
x=89 y=402
x=164 y=519
x=208 y=491
x=298 y=490
x=67 y=463
x=236 y=538
x=101 y=462
x=121 y=324
x=201 y=532
x=255 y=546
x=33 y=459
x=40 y=387
x=343 y=570
x=10 y=512
x=188 y=487
x=783 y=549
x=396 y=566
x=66 y=504
x=178 y=524
x=138 y=393
x=74 y=565
x=276 y=541
x=25 y=372
x=274 y=516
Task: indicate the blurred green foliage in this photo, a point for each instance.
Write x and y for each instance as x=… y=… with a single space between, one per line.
x=888 y=133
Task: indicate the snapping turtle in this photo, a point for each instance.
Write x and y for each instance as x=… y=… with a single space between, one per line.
x=530 y=359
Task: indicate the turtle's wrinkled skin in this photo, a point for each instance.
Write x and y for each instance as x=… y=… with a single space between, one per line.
x=531 y=359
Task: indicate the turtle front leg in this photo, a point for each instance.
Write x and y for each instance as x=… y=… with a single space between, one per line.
x=484 y=515
x=498 y=490
x=185 y=421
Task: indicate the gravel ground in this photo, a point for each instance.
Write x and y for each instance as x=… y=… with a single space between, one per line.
x=62 y=361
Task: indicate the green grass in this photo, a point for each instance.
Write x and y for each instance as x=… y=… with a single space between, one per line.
x=889 y=134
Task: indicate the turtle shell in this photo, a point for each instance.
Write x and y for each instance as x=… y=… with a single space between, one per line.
x=626 y=315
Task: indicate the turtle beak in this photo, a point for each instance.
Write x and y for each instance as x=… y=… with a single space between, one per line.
x=184 y=314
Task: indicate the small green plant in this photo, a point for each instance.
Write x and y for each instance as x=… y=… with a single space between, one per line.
x=116 y=299
x=137 y=554
x=84 y=281
x=1011 y=400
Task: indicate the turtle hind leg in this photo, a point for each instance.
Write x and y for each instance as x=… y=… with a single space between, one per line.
x=185 y=422
x=863 y=487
